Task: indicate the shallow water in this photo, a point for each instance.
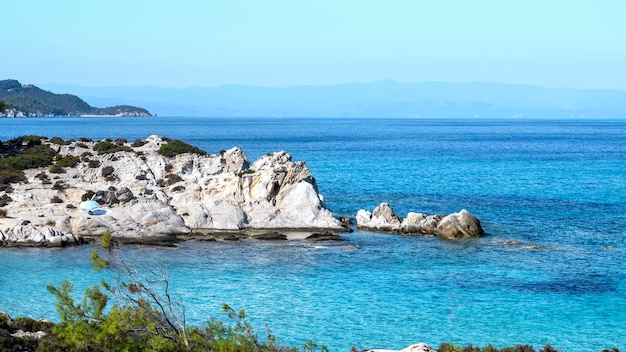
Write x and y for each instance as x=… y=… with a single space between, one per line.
x=557 y=188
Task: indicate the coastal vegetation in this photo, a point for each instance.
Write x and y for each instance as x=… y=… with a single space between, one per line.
x=29 y=100
x=144 y=316
x=175 y=147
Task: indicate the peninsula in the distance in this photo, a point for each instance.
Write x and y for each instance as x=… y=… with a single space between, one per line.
x=25 y=100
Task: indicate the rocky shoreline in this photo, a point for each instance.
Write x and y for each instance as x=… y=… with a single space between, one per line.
x=160 y=191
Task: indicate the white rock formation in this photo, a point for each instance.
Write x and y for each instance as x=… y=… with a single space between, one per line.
x=419 y=347
x=27 y=234
x=455 y=225
x=145 y=194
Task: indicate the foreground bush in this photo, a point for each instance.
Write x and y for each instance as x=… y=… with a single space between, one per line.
x=145 y=318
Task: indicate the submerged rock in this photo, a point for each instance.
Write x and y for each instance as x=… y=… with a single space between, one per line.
x=456 y=225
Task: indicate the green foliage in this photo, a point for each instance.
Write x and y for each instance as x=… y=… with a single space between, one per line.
x=175 y=147
x=87 y=195
x=68 y=161
x=108 y=147
x=23 y=153
x=3 y=106
x=56 y=169
x=30 y=158
x=138 y=143
x=144 y=319
x=59 y=141
x=172 y=179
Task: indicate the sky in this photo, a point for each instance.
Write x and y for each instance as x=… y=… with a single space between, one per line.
x=184 y=43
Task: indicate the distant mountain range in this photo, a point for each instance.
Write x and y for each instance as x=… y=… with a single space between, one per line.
x=377 y=99
x=28 y=100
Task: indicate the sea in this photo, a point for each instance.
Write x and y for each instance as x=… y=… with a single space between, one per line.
x=551 y=268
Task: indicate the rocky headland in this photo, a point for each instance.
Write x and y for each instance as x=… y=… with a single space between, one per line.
x=456 y=225
x=155 y=190
x=56 y=192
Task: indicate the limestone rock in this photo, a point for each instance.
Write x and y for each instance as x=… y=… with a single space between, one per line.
x=27 y=234
x=456 y=225
x=143 y=193
x=419 y=347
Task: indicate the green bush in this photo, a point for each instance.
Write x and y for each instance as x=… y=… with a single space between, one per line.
x=68 y=161
x=87 y=195
x=147 y=319
x=175 y=147
x=107 y=147
x=30 y=158
x=59 y=141
x=3 y=213
x=138 y=143
x=56 y=169
x=172 y=179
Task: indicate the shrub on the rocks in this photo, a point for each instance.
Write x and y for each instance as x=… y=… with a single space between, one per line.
x=107 y=146
x=59 y=141
x=5 y=200
x=87 y=195
x=120 y=141
x=68 y=161
x=3 y=213
x=93 y=164
x=107 y=171
x=175 y=147
x=172 y=179
x=56 y=169
x=138 y=143
x=7 y=177
x=34 y=157
x=82 y=145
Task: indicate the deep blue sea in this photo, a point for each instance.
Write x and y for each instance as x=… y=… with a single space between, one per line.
x=558 y=188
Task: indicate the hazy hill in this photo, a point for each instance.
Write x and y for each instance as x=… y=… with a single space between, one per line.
x=28 y=100
x=377 y=99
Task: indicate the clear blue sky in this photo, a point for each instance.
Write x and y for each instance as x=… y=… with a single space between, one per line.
x=551 y=43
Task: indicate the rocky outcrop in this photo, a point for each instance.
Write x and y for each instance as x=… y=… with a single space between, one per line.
x=456 y=225
x=144 y=194
x=27 y=234
x=418 y=347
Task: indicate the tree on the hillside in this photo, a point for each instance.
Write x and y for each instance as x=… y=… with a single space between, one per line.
x=3 y=106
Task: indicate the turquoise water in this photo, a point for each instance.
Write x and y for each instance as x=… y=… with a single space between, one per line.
x=558 y=185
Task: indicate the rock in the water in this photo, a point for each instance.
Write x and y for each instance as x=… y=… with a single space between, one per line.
x=456 y=225
x=382 y=218
x=418 y=347
x=326 y=236
x=459 y=225
x=271 y=236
